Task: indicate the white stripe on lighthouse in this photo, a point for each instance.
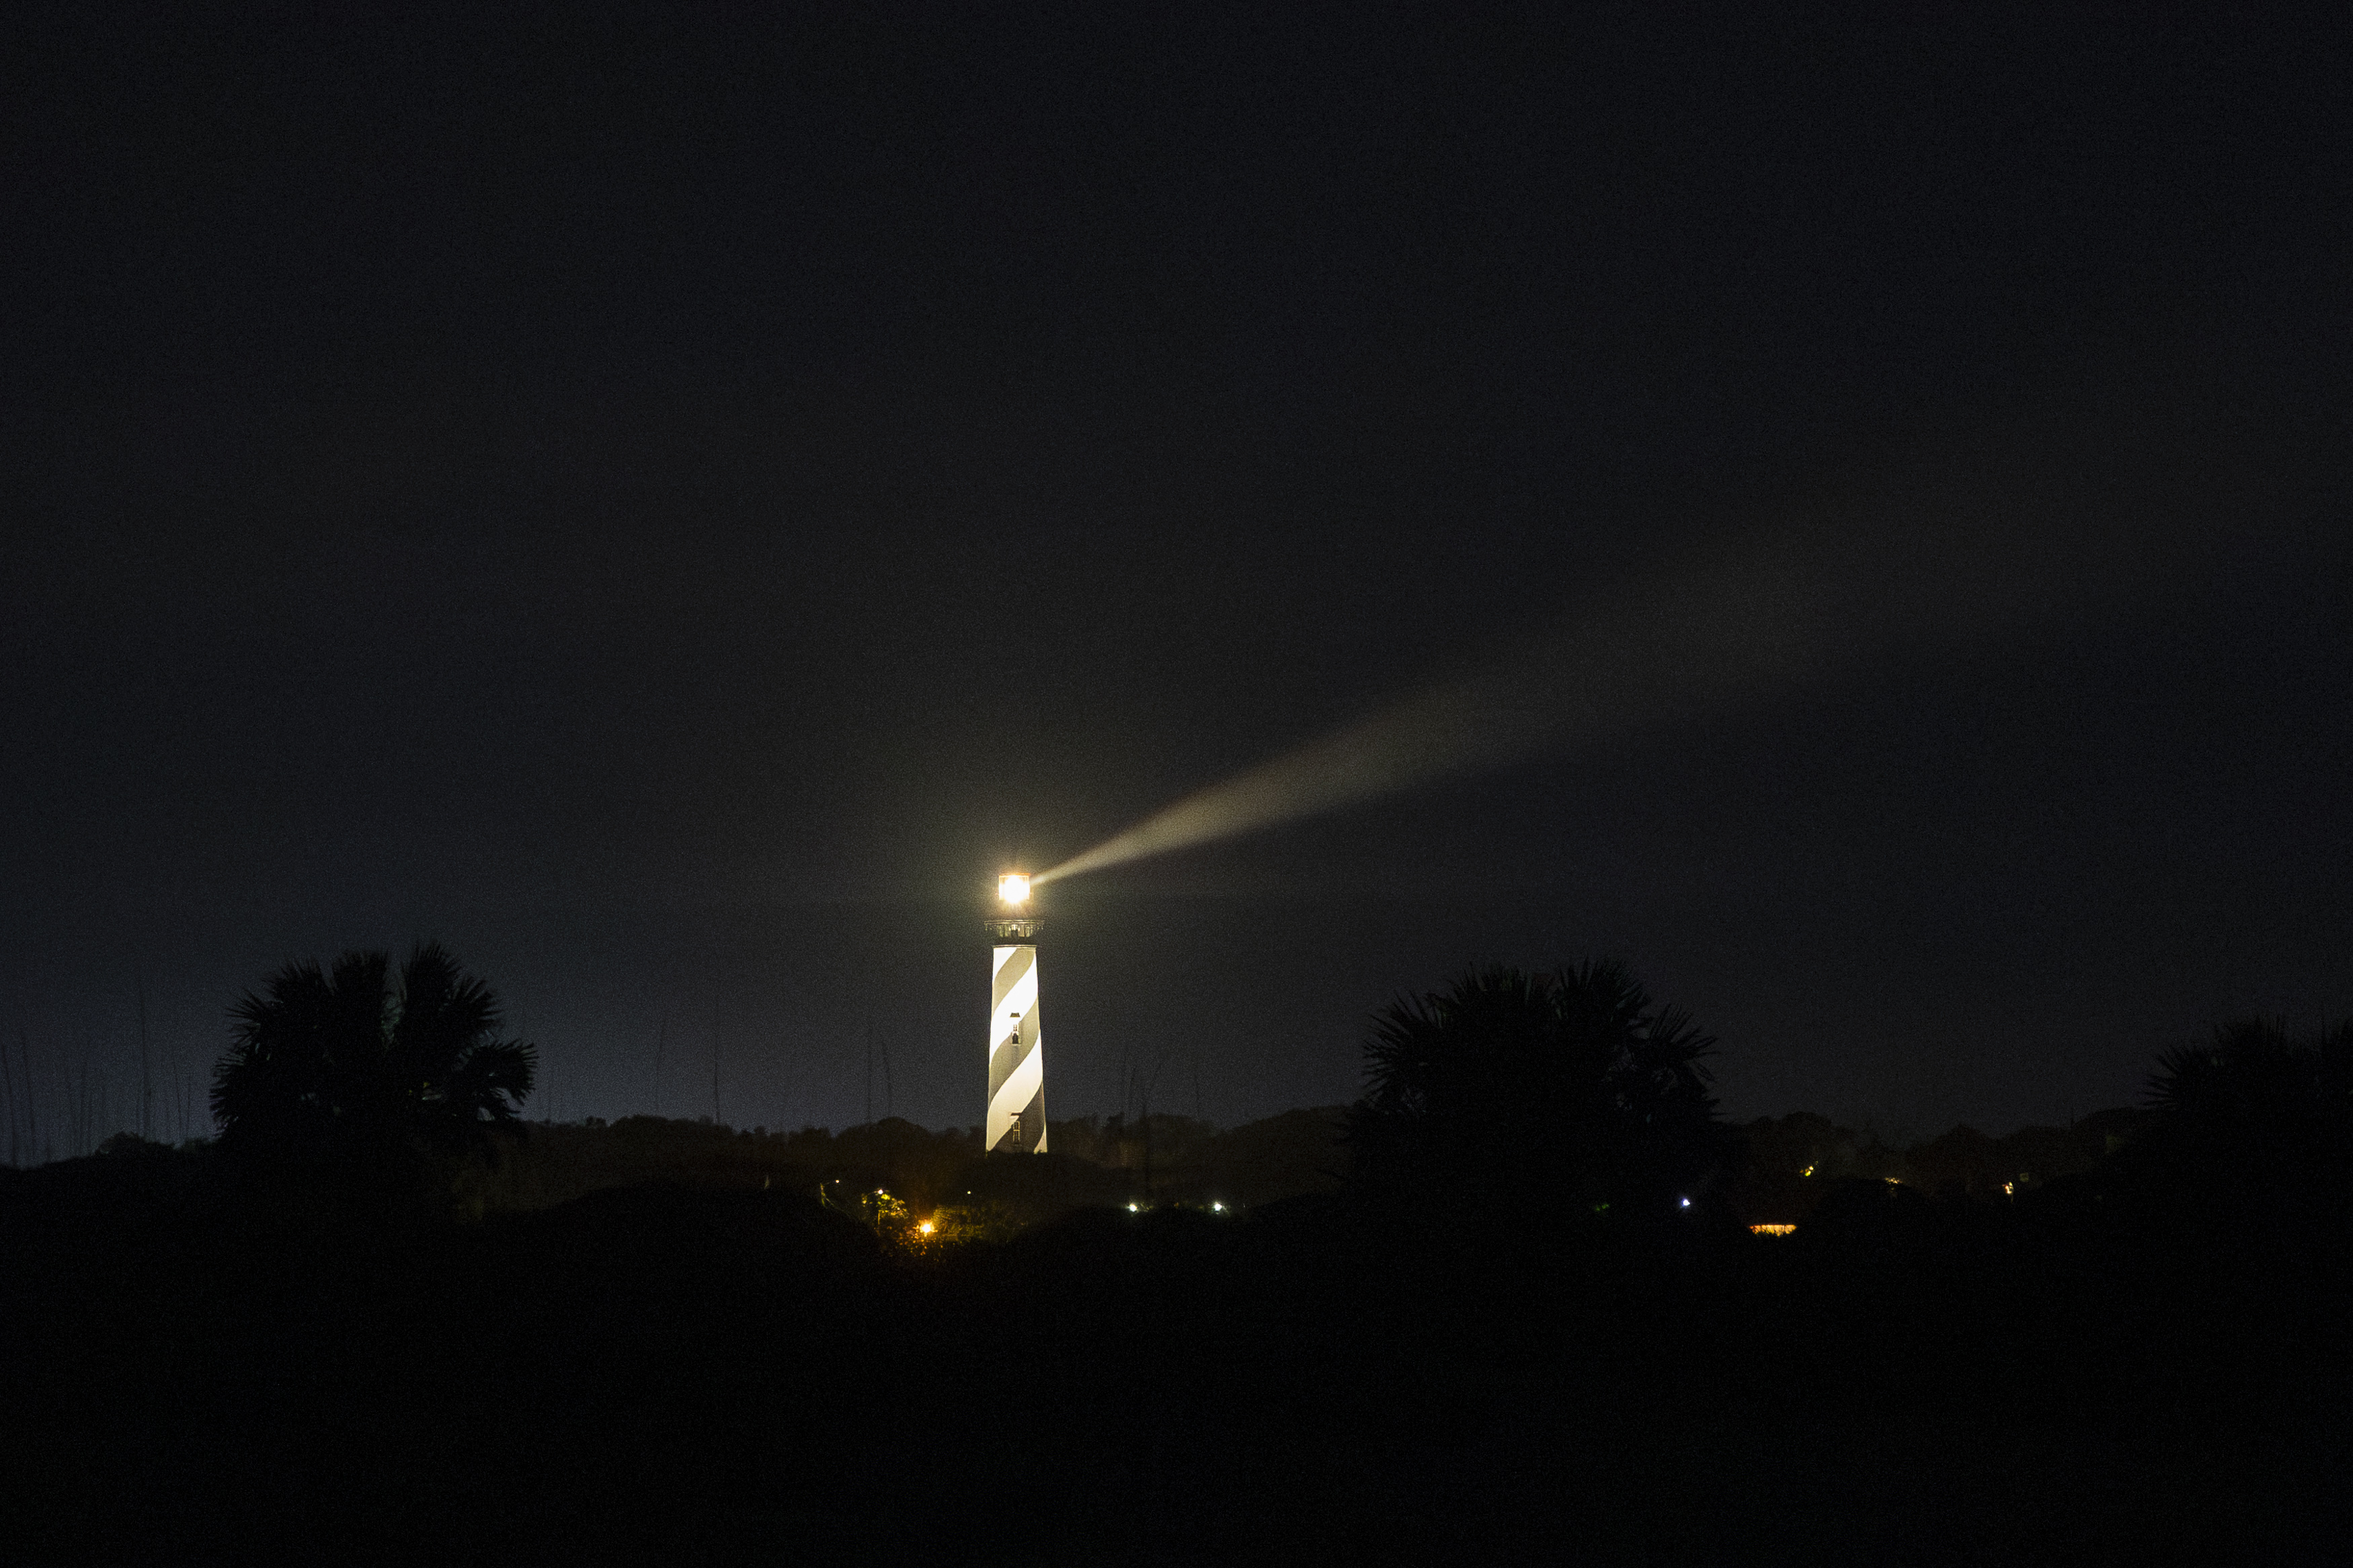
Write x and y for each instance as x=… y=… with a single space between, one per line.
x=1017 y=1062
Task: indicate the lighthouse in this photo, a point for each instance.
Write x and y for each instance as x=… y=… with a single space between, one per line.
x=1016 y=1058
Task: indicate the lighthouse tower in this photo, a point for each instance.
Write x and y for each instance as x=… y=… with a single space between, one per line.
x=1017 y=1060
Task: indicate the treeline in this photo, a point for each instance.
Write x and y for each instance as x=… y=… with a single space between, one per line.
x=1788 y=1164
x=1092 y=1161
x=1570 y=1093
x=1779 y=1167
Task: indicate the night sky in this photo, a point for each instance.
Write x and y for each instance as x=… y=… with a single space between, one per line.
x=672 y=502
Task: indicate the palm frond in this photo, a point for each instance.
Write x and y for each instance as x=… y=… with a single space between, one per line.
x=344 y=1060
x=1570 y=1081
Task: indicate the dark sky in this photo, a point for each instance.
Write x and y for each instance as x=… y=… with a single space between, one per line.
x=672 y=502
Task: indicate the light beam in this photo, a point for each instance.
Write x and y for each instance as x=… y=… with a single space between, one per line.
x=1884 y=575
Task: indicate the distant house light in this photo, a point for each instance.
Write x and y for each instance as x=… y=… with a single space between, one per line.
x=1773 y=1229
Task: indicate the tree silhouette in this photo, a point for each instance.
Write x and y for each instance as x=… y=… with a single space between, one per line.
x=2253 y=1108
x=1571 y=1084
x=2254 y=1074
x=344 y=1070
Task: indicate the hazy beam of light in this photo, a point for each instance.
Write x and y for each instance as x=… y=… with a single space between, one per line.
x=1730 y=624
x=1610 y=660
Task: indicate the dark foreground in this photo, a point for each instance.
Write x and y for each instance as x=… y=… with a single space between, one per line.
x=676 y=1375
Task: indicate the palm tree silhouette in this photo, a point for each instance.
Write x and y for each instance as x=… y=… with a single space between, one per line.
x=347 y=1068
x=2252 y=1073
x=2253 y=1123
x=1572 y=1084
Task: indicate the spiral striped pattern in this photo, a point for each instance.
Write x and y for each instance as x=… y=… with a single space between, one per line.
x=1016 y=1063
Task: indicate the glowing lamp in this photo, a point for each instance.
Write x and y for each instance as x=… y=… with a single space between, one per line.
x=1013 y=888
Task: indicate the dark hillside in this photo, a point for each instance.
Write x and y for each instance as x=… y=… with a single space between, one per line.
x=1166 y=1159
x=731 y=1374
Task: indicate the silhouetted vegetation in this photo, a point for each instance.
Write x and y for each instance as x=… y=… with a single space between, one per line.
x=1096 y=1160
x=2255 y=1108
x=1571 y=1089
x=1787 y=1163
x=359 y=1079
x=2102 y=1342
